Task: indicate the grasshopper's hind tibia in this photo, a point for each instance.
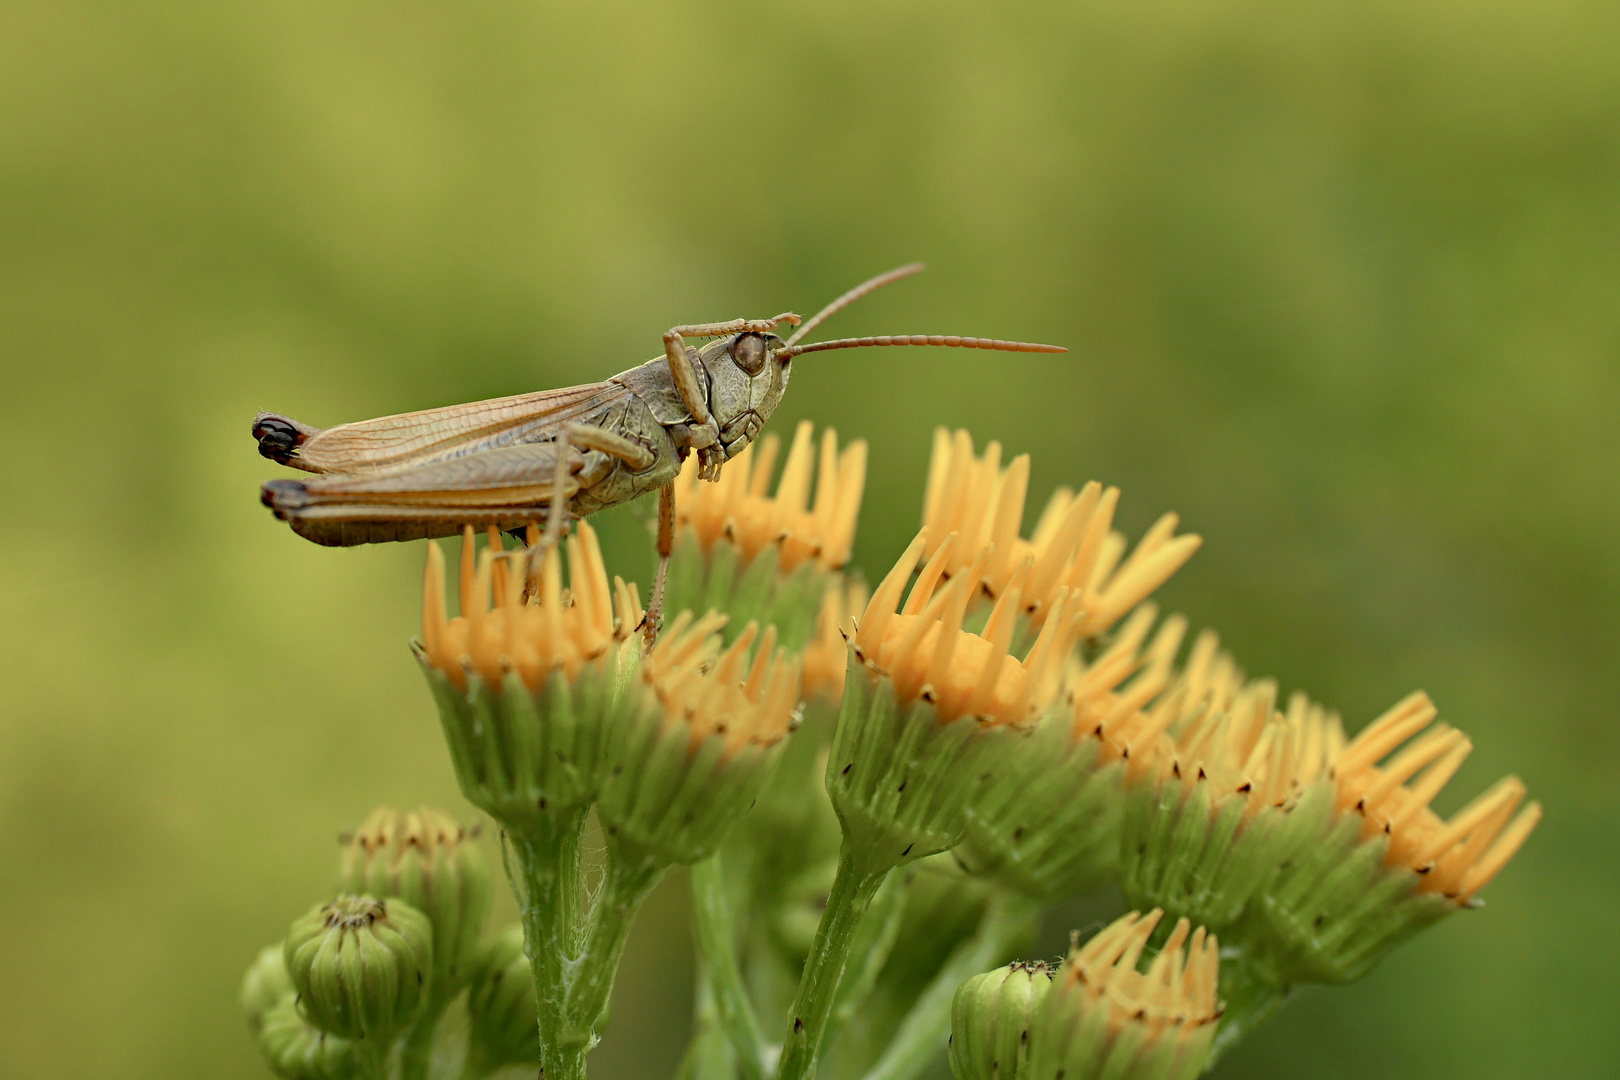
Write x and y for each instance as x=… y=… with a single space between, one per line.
x=654 y=616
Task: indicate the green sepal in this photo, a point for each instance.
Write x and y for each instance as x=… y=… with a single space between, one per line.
x=295 y=1049
x=1048 y=822
x=443 y=874
x=360 y=966
x=518 y=754
x=1335 y=910
x=1194 y=856
x=990 y=1021
x=899 y=779
x=501 y=1023
x=749 y=590
x=675 y=801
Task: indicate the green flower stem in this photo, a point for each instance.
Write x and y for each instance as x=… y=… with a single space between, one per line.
x=1009 y=920
x=709 y=1056
x=548 y=851
x=717 y=952
x=1250 y=995
x=372 y=1059
x=416 y=1050
x=631 y=874
x=860 y=875
x=873 y=941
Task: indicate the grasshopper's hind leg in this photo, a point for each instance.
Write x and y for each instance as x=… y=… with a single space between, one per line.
x=666 y=544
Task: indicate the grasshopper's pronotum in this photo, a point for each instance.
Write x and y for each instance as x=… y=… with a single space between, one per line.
x=503 y=462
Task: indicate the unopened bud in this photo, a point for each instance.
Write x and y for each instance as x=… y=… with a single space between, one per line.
x=360 y=965
x=1104 y=1018
x=264 y=985
x=433 y=863
x=297 y=1050
x=990 y=1019
x=501 y=1026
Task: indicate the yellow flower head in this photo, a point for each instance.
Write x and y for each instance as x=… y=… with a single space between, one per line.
x=1073 y=545
x=1456 y=858
x=1175 y=998
x=826 y=654
x=721 y=693
x=924 y=650
x=1127 y=717
x=738 y=507
x=552 y=629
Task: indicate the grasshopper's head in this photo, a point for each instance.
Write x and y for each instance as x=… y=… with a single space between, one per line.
x=746 y=383
x=748 y=372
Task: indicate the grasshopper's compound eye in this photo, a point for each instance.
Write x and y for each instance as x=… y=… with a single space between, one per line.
x=749 y=352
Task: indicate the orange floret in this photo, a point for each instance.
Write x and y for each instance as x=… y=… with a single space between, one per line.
x=738 y=507
x=1175 y=997
x=1458 y=857
x=926 y=653
x=720 y=693
x=826 y=654
x=499 y=631
x=1073 y=546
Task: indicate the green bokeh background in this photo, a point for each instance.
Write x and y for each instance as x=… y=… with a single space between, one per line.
x=1341 y=280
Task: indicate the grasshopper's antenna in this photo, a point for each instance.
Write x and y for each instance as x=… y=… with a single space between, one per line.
x=949 y=340
x=863 y=289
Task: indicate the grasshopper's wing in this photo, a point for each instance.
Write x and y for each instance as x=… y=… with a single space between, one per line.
x=390 y=443
x=507 y=487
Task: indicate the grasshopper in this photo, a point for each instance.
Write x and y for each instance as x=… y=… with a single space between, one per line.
x=556 y=455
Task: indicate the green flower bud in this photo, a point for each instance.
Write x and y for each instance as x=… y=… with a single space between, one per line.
x=360 y=965
x=1104 y=1018
x=766 y=558
x=264 y=985
x=525 y=687
x=931 y=711
x=297 y=1050
x=990 y=1020
x=501 y=1025
x=1376 y=864
x=432 y=863
x=1048 y=823
x=1223 y=805
x=700 y=735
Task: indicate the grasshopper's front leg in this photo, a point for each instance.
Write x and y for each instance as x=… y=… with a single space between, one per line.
x=705 y=435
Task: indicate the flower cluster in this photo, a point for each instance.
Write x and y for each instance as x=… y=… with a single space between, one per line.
x=878 y=792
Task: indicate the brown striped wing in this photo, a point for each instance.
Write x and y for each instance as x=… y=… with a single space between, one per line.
x=389 y=443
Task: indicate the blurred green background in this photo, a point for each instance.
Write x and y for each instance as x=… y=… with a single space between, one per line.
x=1341 y=280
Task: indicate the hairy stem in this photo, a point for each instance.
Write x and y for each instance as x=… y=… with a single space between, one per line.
x=631 y=875
x=717 y=951
x=858 y=880
x=549 y=882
